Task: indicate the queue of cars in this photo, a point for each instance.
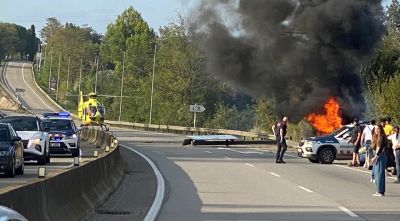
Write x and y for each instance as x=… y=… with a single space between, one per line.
x=27 y=138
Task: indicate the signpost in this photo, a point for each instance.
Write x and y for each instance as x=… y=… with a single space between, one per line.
x=196 y=109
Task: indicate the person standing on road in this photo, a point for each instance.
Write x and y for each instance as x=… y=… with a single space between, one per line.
x=396 y=150
x=366 y=139
x=279 y=130
x=356 y=141
x=380 y=160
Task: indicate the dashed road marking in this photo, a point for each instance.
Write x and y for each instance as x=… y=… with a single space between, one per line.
x=228 y=158
x=305 y=189
x=349 y=212
x=208 y=151
x=250 y=165
x=362 y=171
x=274 y=174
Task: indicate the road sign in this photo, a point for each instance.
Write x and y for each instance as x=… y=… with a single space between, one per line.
x=196 y=108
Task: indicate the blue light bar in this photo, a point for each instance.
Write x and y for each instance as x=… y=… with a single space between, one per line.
x=60 y=114
x=64 y=114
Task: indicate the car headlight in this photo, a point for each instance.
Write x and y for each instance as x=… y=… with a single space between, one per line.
x=73 y=136
x=4 y=153
x=310 y=142
x=34 y=141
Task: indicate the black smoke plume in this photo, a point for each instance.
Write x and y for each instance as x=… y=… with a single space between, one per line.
x=298 y=52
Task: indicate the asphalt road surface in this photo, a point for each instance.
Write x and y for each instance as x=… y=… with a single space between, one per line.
x=19 y=75
x=216 y=183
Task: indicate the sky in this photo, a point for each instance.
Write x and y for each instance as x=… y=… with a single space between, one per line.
x=95 y=13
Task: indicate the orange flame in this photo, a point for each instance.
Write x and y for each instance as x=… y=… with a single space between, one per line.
x=328 y=122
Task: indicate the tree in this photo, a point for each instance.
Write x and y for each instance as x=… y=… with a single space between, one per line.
x=393 y=15
x=32 y=43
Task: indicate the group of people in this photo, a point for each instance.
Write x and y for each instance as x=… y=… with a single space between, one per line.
x=382 y=144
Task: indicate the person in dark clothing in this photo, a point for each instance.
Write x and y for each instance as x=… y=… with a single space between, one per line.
x=279 y=130
x=356 y=141
x=380 y=143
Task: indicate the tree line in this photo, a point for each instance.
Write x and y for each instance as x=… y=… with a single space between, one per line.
x=17 y=41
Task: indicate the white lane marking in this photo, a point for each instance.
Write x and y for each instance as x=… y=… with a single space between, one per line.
x=274 y=174
x=238 y=151
x=349 y=212
x=305 y=189
x=23 y=78
x=362 y=171
x=208 y=151
x=250 y=165
x=158 y=199
x=228 y=158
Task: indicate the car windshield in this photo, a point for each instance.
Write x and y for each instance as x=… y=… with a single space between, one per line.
x=338 y=131
x=4 y=134
x=22 y=124
x=57 y=124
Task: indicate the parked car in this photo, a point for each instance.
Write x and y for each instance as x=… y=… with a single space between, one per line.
x=34 y=138
x=328 y=148
x=7 y=214
x=64 y=135
x=11 y=151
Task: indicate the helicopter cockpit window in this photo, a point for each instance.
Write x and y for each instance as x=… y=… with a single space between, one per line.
x=92 y=110
x=101 y=109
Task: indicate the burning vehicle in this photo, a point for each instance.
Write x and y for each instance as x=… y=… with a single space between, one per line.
x=333 y=143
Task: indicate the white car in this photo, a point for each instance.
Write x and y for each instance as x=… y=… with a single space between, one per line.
x=34 y=138
x=326 y=149
x=7 y=214
x=63 y=133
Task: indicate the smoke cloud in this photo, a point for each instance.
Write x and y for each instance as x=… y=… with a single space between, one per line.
x=298 y=52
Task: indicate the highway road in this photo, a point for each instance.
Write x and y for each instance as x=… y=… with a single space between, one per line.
x=19 y=75
x=216 y=183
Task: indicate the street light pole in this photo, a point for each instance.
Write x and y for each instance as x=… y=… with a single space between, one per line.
x=97 y=70
x=80 y=78
x=122 y=87
x=51 y=64
x=66 y=94
x=58 y=75
x=152 y=83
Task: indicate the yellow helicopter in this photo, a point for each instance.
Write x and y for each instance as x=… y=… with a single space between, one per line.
x=91 y=112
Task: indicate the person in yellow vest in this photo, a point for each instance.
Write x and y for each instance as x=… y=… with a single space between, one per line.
x=388 y=127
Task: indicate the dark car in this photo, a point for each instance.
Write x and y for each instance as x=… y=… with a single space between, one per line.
x=11 y=151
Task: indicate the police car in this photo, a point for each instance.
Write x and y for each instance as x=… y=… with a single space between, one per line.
x=328 y=148
x=63 y=133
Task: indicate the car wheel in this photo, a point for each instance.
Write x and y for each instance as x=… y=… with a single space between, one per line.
x=313 y=161
x=11 y=171
x=75 y=153
x=42 y=160
x=327 y=155
x=48 y=157
x=20 y=170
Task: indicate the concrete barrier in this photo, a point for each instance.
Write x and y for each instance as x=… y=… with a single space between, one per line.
x=70 y=195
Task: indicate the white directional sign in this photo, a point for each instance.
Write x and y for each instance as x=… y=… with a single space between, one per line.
x=196 y=108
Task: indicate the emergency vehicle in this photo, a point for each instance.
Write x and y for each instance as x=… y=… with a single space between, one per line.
x=328 y=148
